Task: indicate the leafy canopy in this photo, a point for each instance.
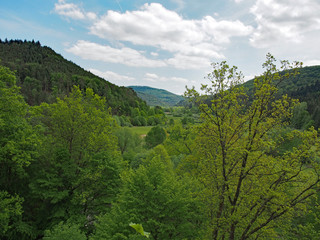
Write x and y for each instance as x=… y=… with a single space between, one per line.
x=249 y=187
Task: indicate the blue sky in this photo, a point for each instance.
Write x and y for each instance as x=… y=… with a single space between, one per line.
x=167 y=44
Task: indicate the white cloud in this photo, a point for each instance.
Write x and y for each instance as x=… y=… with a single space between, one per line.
x=311 y=62
x=126 y=56
x=153 y=25
x=286 y=21
x=182 y=61
x=114 y=77
x=223 y=31
x=73 y=11
x=151 y=77
x=193 y=43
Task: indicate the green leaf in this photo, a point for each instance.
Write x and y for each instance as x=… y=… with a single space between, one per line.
x=139 y=229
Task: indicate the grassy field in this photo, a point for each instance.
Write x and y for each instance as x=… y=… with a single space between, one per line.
x=141 y=131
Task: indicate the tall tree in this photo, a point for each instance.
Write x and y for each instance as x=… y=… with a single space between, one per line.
x=249 y=186
x=18 y=149
x=77 y=174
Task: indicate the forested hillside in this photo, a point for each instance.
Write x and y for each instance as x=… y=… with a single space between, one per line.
x=305 y=86
x=44 y=75
x=157 y=97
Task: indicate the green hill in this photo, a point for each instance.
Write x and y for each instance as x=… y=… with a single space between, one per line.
x=305 y=87
x=44 y=75
x=157 y=97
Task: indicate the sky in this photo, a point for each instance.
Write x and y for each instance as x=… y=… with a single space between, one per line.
x=167 y=44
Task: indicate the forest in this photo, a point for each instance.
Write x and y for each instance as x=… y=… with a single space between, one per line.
x=239 y=161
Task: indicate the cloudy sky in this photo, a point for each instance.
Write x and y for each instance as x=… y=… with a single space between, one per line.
x=167 y=44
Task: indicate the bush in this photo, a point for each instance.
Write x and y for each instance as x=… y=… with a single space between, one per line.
x=155 y=136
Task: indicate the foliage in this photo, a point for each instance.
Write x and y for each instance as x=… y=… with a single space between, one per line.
x=304 y=86
x=10 y=208
x=249 y=168
x=64 y=231
x=77 y=174
x=127 y=140
x=155 y=136
x=17 y=140
x=247 y=190
x=154 y=196
x=306 y=225
x=180 y=140
x=139 y=229
x=18 y=148
x=301 y=118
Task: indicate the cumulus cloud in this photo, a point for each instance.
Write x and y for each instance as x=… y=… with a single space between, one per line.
x=153 y=25
x=127 y=56
x=114 y=77
x=73 y=11
x=131 y=57
x=191 y=42
x=286 y=21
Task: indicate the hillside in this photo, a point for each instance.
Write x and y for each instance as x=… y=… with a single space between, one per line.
x=305 y=87
x=44 y=75
x=157 y=97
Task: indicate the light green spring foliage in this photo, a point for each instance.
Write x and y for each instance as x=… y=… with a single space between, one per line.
x=248 y=186
x=64 y=231
x=180 y=140
x=139 y=229
x=154 y=196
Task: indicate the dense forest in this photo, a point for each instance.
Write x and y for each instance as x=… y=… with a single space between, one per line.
x=44 y=75
x=244 y=165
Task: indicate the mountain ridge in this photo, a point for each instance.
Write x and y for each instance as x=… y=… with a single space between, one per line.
x=157 y=96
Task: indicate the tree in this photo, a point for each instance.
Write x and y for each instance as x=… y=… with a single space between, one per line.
x=64 y=231
x=155 y=136
x=18 y=149
x=249 y=187
x=17 y=138
x=153 y=196
x=77 y=175
x=127 y=140
x=10 y=209
x=180 y=140
x=301 y=118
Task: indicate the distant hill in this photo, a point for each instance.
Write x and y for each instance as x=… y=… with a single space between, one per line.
x=157 y=97
x=44 y=75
